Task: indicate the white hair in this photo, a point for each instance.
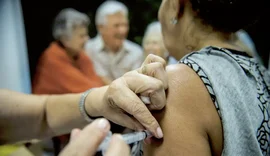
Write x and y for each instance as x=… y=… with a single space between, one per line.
x=109 y=7
x=154 y=27
x=66 y=20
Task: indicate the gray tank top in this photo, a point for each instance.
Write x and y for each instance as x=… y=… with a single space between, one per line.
x=239 y=88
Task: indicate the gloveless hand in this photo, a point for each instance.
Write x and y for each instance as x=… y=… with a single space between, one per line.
x=121 y=101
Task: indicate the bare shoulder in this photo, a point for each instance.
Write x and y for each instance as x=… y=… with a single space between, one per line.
x=189 y=121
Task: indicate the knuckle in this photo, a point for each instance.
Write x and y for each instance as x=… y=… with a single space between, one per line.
x=159 y=65
x=115 y=86
x=151 y=122
x=128 y=76
x=137 y=109
x=109 y=96
x=159 y=84
x=159 y=100
x=144 y=69
x=112 y=87
x=111 y=102
x=151 y=56
x=154 y=58
x=163 y=63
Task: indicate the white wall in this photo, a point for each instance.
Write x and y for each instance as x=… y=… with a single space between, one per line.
x=14 y=66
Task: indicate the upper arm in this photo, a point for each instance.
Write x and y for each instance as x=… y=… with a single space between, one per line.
x=189 y=121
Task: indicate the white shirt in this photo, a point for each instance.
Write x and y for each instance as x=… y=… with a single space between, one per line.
x=114 y=65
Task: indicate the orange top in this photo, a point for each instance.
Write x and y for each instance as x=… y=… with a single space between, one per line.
x=57 y=73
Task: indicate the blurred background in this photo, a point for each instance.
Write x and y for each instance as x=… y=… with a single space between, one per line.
x=39 y=15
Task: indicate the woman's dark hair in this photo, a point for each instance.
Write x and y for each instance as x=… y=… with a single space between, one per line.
x=229 y=15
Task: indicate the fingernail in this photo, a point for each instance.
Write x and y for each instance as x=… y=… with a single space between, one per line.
x=159 y=132
x=102 y=124
x=145 y=100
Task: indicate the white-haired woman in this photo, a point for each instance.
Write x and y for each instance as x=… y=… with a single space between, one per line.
x=64 y=67
x=153 y=43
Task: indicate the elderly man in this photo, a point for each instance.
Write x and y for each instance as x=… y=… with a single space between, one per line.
x=112 y=54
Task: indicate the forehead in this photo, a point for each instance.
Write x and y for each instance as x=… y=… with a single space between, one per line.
x=153 y=37
x=117 y=17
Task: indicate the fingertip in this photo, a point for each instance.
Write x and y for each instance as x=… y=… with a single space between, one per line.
x=100 y=126
x=74 y=133
x=159 y=133
x=117 y=138
x=103 y=124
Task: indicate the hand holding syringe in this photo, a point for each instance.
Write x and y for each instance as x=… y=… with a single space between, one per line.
x=128 y=138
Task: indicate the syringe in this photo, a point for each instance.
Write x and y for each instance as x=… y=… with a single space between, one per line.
x=128 y=138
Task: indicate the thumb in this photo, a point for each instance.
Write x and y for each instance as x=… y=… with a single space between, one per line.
x=74 y=134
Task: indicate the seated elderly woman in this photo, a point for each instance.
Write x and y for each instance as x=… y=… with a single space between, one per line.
x=153 y=43
x=64 y=67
